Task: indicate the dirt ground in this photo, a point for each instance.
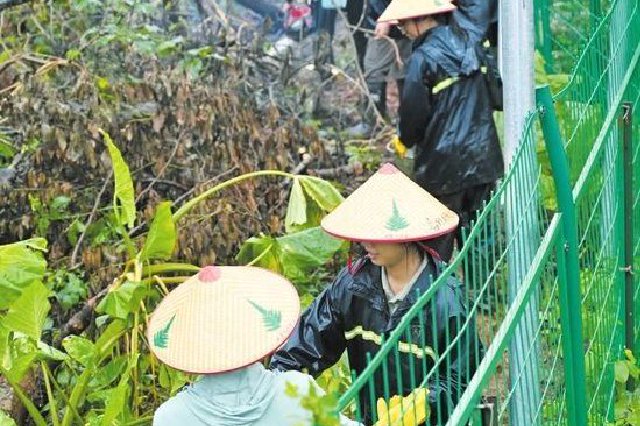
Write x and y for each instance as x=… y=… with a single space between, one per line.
x=6 y=395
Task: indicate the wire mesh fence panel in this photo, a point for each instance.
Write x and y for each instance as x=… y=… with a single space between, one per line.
x=544 y=281
x=633 y=96
x=504 y=354
x=589 y=108
x=636 y=214
x=444 y=366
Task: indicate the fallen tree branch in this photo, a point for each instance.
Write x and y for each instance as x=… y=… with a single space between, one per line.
x=178 y=200
x=154 y=180
x=81 y=319
x=355 y=169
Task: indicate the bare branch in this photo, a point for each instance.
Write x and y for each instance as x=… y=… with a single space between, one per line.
x=161 y=173
x=96 y=204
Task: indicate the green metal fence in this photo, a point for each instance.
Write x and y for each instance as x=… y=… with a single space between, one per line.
x=551 y=294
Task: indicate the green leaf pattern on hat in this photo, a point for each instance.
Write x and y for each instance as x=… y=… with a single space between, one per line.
x=271 y=319
x=161 y=338
x=396 y=222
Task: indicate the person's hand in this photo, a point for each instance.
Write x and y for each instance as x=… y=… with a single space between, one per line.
x=382 y=29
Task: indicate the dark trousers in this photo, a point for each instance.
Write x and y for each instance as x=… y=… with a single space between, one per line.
x=355 y=9
x=465 y=203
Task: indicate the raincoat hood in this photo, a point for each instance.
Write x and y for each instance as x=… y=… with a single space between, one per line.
x=238 y=397
x=450 y=49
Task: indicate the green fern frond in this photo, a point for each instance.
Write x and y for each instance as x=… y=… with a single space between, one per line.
x=161 y=337
x=271 y=319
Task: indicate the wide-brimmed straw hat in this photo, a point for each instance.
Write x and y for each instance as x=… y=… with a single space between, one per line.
x=399 y=10
x=389 y=207
x=223 y=318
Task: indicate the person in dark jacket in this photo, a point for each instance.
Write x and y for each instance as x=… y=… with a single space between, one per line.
x=446 y=111
x=366 y=302
x=387 y=52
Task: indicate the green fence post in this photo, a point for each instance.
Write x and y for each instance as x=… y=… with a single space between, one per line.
x=570 y=313
x=627 y=159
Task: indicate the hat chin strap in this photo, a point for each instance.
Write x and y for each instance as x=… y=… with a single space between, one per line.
x=429 y=250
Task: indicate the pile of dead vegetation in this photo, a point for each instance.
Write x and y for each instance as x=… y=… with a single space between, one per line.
x=187 y=114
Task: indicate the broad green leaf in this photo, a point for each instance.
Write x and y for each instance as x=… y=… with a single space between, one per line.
x=292 y=255
x=163 y=377
x=302 y=251
x=100 y=397
x=122 y=301
x=171 y=379
x=6 y=150
x=27 y=314
x=261 y=251
x=322 y=192
x=314 y=215
x=167 y=47
x=21 y=264
x=20 y=365
x=110 y=372
x=297 y=208
x=123 y=183
x=109 y=336
x=79 y=349
x=5 y=420
x=116 y=402
x=74 y=230
x=621 y=371
x=49 y=352
x=162 y=235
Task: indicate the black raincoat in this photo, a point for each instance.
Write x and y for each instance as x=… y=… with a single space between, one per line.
x=446 y=112
x=353 y=314
x=477 y=17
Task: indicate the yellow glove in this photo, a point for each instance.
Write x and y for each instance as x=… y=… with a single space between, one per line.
x=414 y=406
x=399 y=147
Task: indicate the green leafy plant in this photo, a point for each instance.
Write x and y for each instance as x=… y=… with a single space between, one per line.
x=68 y=288
x=319 y=404
x=627 y=405
x=107 y=375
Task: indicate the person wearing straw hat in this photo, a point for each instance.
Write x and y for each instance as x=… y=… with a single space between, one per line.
x=390 y=216
x=446 y=111
x=221 y=323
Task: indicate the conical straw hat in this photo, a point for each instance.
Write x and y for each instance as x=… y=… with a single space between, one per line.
x=223 y=318
x=399 y=10
x=389 y=207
